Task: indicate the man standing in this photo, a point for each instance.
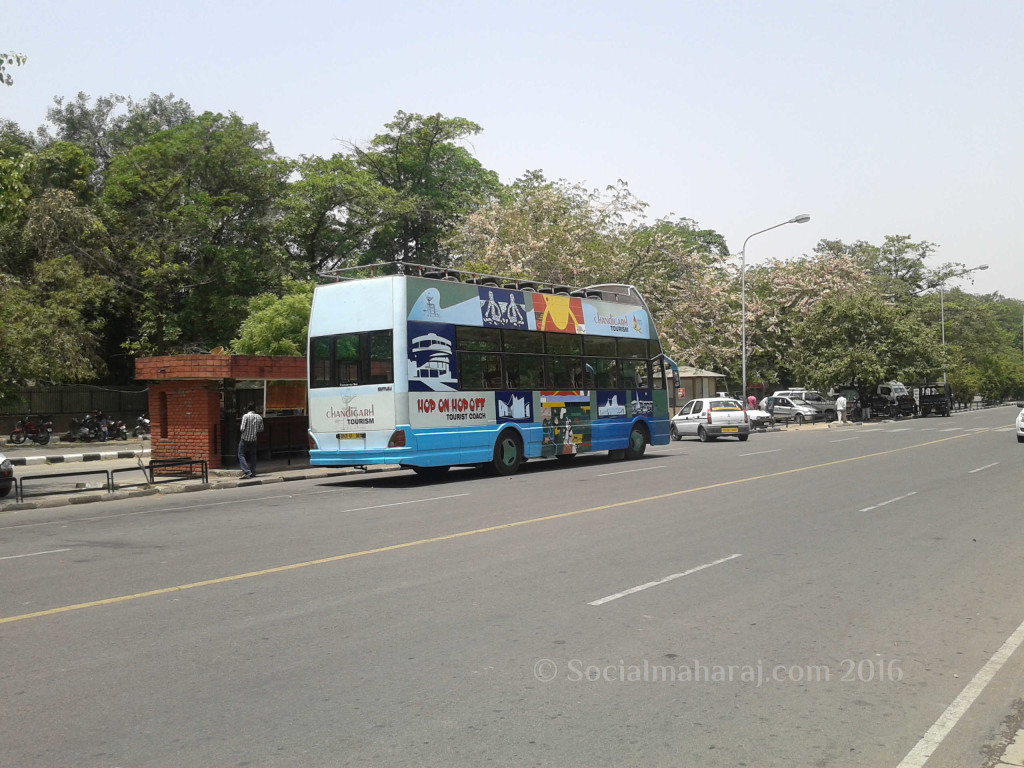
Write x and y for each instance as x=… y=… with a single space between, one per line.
x=841 y=410
x=252 y=425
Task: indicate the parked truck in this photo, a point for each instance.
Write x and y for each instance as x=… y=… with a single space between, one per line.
x=893 y=399
x=933 y=397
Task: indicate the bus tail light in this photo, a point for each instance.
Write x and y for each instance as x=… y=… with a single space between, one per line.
x=709 y=415
x=397 y=439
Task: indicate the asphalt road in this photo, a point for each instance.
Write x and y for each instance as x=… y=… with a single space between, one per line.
x=824 y=597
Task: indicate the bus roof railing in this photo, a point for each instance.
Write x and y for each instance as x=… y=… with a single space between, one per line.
x=615 y=292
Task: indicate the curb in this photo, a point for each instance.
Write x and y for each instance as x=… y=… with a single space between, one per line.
x=62 y=458
x=176 y=487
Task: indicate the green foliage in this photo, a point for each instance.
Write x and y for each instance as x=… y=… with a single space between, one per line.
x=861 y=340
x=50 y=325
x=328 y=213
x=276 y=325
x=435 y=183
x=191 y=211
x=9 y=60
x=109 y=126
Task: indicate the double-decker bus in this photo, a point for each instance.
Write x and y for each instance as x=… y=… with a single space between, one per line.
x=431 y=369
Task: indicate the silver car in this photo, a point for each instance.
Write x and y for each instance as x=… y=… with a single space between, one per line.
x=1020 y=423
x=792 y=409
x=710 y=417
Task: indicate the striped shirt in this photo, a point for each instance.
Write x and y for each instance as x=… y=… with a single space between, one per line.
x=252 y=425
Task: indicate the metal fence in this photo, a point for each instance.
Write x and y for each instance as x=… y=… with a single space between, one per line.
x=64 y=402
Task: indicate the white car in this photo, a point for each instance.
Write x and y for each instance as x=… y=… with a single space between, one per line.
x=759 y=418
x=709 y=417
x=6 y=475
x=1020 y=423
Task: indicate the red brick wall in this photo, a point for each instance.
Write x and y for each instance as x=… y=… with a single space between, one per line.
x=216 y=367
x=191 y=422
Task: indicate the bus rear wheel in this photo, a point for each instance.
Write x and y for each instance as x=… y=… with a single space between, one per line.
x=508 y=454
x=637 y=442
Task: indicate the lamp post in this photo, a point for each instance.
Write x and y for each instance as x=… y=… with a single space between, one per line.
x=942 y=312
x=802 y=218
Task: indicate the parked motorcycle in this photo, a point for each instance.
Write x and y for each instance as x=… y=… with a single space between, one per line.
x=117 y=430
x=35 y=428
x=90 y=427
x=141 y=426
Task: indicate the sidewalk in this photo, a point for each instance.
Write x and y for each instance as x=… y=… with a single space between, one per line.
x=58 y=458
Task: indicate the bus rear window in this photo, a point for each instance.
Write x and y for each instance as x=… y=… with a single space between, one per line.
x=351 y=359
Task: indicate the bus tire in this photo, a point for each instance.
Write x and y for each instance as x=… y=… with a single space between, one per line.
x=431 y=473
x=637 y=442
x=508 y=453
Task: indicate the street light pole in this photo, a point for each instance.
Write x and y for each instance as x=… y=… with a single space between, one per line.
x=942 y=312
x=802 y=218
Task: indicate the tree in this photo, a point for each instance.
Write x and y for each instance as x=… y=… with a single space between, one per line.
x=191 y=211
x=276 y=325
x=328 y=213
x=897 y=267
x=861 y=340
x=9 y=60
x=544 y=230
x=51 y=325
x=435 y=183
x=111 y=125
x=780 y=295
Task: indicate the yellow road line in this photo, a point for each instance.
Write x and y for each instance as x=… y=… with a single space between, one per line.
x=453 y=536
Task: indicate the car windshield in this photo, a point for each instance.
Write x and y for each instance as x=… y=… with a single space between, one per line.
x=899 y=390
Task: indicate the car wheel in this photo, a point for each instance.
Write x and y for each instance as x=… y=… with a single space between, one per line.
x=799 y=419
x=1020 y=439
x=637 y=442
x=5 y=489
x=743 y=438
x=702 y=434
x=830 y=415
x=675 y=433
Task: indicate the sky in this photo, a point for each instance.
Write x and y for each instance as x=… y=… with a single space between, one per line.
x=875 y=118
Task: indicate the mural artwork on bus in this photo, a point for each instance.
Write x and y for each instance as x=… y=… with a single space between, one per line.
x=514 y=406
x=563 y=314
x=565 y=419
x=440 y=301
x=431 y=360
x=611 y=404
x=500 y=308
x=643 y=402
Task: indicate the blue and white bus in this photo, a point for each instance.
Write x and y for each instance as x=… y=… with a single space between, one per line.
x=431 y=369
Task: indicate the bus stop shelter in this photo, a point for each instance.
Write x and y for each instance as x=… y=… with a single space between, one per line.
x=196 y=404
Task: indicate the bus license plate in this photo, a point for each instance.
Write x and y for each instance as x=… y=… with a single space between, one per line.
x=351 y=435
x=730 y=429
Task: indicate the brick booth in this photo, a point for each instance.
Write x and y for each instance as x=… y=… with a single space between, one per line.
x=196 y=404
